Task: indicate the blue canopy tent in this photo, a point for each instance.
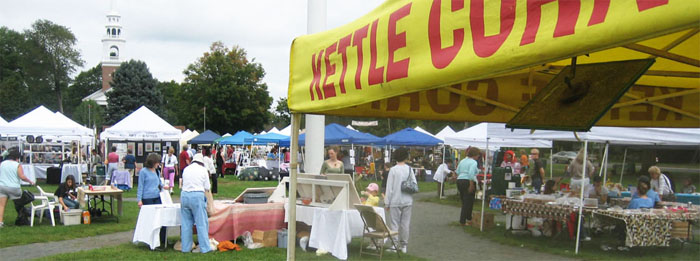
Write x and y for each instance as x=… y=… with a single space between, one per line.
x=265 y=138
x=339 y=135
x=411 y=137
x=236 y=139
x=207 y=137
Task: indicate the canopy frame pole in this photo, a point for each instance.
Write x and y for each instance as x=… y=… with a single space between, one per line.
x=583 y=186
x=604 y=163
x=483 y=193
x=293 y=165
x=551 y=163
x=624 y=159
x=442 y=184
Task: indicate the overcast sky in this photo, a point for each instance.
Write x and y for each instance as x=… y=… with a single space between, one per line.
x=171 y=34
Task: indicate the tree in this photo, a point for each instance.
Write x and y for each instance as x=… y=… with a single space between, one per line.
x=57 y=45
x=14 y=90
x=89 y=114
x=281 y=116
x=132 y=86
x=230 y=87
x=172 y=101
x=86 y=83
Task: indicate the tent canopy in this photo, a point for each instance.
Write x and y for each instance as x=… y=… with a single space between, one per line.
x=613 y=135
x=207 y=137
x=419 y=129
x=477 y=135
x=485 y=74
x=411 y=137
x=269 y=137
x=41 y=121
x=2 y=121
x=447 y=131
x=339 y=135
x=236 y=139
x=142 y=124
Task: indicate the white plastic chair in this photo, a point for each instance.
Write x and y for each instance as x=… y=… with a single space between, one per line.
x=46 y=203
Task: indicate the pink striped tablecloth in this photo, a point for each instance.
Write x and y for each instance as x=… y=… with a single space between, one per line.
x=233 y=219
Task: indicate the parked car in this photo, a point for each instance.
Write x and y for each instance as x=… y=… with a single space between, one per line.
x=564 y=157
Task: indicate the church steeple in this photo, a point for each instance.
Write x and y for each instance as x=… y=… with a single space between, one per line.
x=112 y=46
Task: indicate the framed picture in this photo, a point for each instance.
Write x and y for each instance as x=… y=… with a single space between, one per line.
x=131 y=146
x=149 y=147
x=139 y=149
x=156 y=147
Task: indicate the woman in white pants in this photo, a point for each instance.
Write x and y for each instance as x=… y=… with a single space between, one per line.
x=398 y=202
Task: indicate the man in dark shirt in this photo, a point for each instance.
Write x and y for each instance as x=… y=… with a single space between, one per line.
x=184 y=161
x=130 y=165
x=536 y=170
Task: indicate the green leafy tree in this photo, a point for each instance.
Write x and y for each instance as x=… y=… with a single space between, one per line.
x=230 y=87
x=281 y=116
x=172 y=101
x=14 y=90
x=86 y=83
x=89 y=114
x=133 y=86
x=56 y=44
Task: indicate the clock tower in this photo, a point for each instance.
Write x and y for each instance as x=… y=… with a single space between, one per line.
x=112 y=46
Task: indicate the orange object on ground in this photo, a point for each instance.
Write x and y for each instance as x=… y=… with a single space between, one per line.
x=86 y=217
x=228 y=245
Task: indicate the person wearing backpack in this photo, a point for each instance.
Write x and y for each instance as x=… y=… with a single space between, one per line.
x=397 y=200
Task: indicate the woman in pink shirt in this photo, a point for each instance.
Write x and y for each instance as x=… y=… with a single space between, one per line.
x=112 y=164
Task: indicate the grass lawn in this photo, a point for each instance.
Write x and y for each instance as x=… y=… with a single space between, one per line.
x=590 y=250
x=130 y=251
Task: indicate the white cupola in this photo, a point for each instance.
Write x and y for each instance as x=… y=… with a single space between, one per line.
x=113 y=41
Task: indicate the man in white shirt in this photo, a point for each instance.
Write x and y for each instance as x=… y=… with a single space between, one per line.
x=443 y=171
x=193 y=210
x=660 y=182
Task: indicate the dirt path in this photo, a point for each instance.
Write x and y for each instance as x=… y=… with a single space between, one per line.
x=433 y=238
x=38 y=250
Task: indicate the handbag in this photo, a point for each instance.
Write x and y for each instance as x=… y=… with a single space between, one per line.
x=409 y=185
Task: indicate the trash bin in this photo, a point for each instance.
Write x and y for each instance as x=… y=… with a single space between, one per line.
x=282 y=238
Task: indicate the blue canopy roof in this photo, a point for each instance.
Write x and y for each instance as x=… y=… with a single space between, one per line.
x=337 y=135
x=236 y=139
x=410 y=137
x=207 y=137
x=266 y=138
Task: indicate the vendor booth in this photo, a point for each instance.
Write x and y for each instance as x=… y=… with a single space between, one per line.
x=143 y=132
x=207 y=137
x=437 y=60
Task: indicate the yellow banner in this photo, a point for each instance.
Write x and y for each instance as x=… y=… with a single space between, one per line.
x=404 y=48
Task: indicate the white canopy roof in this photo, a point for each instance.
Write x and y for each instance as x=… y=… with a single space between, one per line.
x=142 y=124
x=186 y=136
x=613 y=135
x=477 y=136
x=447 y=131
x=287 y=131
x=275 y=130
x=419 y=129
x=350 y=127
x=2 y=121
x=226 y=135
x=41 y=121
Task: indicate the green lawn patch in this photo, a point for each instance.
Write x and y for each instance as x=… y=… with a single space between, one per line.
x=130 y=251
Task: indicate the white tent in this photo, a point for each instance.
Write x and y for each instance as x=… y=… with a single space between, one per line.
x=41 y=121
x=142 y=124
x=287 y=131
x=613 y=135
x=226 y=135
x=419 y=129
x=447 y=131
x=275 y=130
x=186 y=136
x=481 y=134
x=350 y=127
x=2 y=121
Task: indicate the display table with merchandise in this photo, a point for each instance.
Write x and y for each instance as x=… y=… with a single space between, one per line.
x=649 y=227
x=97 y=196
x=230 y=220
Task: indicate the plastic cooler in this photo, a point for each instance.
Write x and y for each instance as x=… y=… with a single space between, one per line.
x=71 y=217
x=255 y=198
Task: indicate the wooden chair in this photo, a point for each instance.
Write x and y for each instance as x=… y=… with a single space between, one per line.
x=376 y=230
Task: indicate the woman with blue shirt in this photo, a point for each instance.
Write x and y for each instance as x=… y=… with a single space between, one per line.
x=150 y=185
x=466 y=184
x=643 y=201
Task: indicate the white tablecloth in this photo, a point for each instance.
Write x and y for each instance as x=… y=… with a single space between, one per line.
x=73 y=169
x=40 y=170
x=332 y=230
x=29 y=173
x=151 y=219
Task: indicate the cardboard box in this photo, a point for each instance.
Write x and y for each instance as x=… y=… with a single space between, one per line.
x=267 y=238
x=679 y=229
x=488 y=220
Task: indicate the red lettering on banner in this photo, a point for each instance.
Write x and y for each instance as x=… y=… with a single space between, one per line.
x=600 y=11
x=676 y=102
x=534 y=14
x=360 y=34
x=397 y=69
x=342 y=50
x=648 y=4
x=491 y=93
x=567 y=16
x=485 y=46
x=329 y=88
x=376 y=74
x=442 y=57
x=316 y=70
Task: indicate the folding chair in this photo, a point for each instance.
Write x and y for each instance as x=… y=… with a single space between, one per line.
x=46 y=203
x=376 y=230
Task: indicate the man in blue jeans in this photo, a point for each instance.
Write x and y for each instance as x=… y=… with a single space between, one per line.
x=193 y=205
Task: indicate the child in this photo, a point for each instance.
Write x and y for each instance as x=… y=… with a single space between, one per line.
x=371 y=192
x=688 y=186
